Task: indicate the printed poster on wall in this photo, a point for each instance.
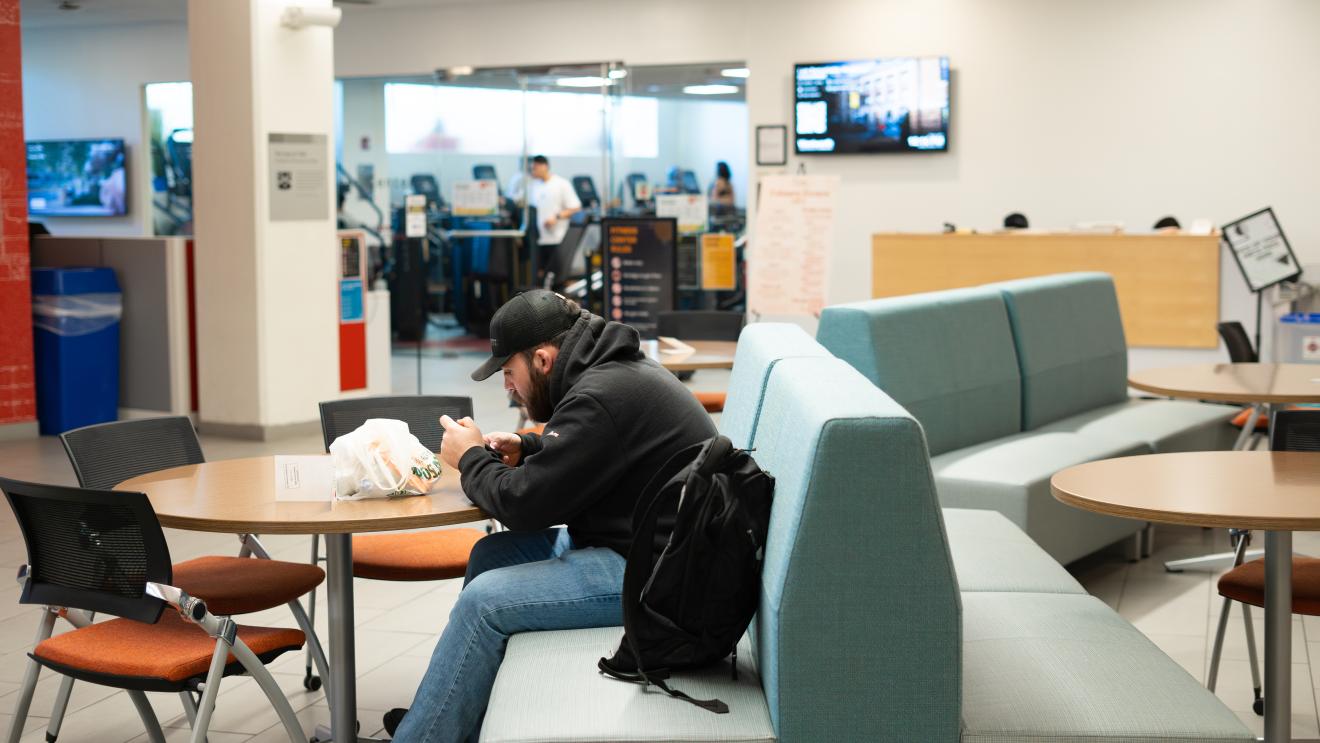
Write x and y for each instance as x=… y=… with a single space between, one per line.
x=476 y=198
x=1261 y=250
x=640 y=257
x=691 y=210
x=719 y=263
x=299 y=177
x=788 y=267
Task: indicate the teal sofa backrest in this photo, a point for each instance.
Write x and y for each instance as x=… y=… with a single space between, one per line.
x=945 y=356
x=858 y=634
x=1070 y=344
x=760 y=347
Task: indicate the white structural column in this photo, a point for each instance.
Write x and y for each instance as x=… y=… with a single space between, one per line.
x=267 y=298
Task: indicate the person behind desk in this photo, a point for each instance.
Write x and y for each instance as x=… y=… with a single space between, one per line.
x=721 y=191
x=612 y=418
x=555 y=202
x=1016 y=221
x=1169 y=225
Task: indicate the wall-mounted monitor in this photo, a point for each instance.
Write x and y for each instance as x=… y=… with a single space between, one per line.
x=77 y=178
x=896 y=104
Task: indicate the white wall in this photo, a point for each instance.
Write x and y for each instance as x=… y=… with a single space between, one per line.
x=87 y=83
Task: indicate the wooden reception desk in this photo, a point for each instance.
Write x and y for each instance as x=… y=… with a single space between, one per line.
x=1168 y=285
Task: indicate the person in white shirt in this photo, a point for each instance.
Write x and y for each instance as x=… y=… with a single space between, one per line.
x=555 y=201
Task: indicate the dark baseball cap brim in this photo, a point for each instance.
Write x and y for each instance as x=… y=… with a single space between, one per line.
x=492 y=365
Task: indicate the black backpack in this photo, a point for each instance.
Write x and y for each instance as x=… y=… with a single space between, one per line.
x=690 y=607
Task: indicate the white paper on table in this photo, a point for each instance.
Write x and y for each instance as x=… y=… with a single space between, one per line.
x=304 y=478
x=674 y=345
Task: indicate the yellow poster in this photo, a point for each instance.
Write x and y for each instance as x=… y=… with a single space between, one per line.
x=719 y=266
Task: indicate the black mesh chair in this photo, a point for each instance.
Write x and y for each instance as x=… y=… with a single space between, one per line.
x=1240 y=351
x=106 y=454
x=702 y=325
x=1290 y=430
x=413 y=556
x=94 y=551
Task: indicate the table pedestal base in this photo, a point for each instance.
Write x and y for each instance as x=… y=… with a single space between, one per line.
x=1278 y=636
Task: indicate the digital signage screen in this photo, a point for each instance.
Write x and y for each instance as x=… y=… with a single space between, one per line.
x=77 y=178
x=895 y=104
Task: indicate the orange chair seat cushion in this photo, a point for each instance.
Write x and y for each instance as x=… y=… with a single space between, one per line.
x=240 y=585
x=713 y=402
x=171 y=650
x=1262 y=421
x=538 y=429
x=1246 y=583
x=426 y=555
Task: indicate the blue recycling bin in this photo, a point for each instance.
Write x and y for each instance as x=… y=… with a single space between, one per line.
x=75 y=329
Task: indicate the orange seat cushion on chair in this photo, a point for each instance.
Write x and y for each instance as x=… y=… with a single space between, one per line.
x=1246 y=583
x=713 y=402
x=171 y=650
x=241 y=585
x=1262 y=421
x=427 y=555
x=538 y=429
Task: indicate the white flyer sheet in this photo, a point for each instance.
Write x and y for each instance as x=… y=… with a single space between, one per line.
x=791 y=245
x=304 y=478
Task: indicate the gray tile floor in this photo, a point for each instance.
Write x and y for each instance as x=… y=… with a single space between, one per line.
x=397 y=623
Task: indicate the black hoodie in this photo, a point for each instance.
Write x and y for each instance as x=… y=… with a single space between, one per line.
x=618 y=417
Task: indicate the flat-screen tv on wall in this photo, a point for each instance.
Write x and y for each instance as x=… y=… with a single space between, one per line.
x=77 y=178
x=893 y=104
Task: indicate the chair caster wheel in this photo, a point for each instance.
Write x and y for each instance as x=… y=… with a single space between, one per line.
x=311 y=683
x=1258 y=707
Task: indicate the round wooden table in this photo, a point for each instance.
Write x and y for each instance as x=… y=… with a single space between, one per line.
x=1261 y=385
x=704 y=355
x=1244 y=383
x=239 y=496
x=1278 y=492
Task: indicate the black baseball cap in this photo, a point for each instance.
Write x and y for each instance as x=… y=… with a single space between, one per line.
x=524 y=322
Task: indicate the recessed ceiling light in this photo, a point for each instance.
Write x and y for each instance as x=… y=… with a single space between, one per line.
x=582 y=82
x=736 y=72
x=617 y=74
x=710 y=89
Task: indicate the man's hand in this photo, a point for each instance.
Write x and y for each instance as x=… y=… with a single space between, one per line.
x=460 y=436
x=551 y=220
x=509 y=445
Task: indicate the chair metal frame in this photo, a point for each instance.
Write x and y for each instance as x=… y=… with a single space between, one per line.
x=78 y=605
x=249 y=544
x=1282 y=424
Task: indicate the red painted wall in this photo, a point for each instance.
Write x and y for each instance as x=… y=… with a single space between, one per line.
x=17 y=392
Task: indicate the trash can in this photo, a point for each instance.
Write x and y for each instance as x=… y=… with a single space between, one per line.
x=75 y=319
x=1297 y=340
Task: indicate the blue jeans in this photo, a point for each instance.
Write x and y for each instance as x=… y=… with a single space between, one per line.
x=516 y=582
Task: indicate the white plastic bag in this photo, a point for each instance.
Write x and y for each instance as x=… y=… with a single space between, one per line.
x=382 y=459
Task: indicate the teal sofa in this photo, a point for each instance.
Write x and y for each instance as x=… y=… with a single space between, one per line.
x=1013 y=382
x=883 y=617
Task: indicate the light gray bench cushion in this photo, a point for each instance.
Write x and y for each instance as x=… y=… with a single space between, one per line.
x=548 y=689
x=1012 y=475
x=1167 y=425
x=990 y=553
x=1067 y=669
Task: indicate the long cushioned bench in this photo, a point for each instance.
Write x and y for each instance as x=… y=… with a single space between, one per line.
x=1013 y=382
x=883 y=617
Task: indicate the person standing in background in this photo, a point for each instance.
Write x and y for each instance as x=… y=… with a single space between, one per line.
x=721 y=191
x=555 y=201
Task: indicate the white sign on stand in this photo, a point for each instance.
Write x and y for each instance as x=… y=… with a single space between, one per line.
x=476 y=198
x=791 y=244
x=414 y=222
x=691 y=210
x=1261 y=250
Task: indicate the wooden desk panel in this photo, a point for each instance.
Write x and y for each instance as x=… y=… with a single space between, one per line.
x=1168 y=285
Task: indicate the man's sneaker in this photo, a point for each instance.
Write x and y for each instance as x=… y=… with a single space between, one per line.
x=393 y=718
